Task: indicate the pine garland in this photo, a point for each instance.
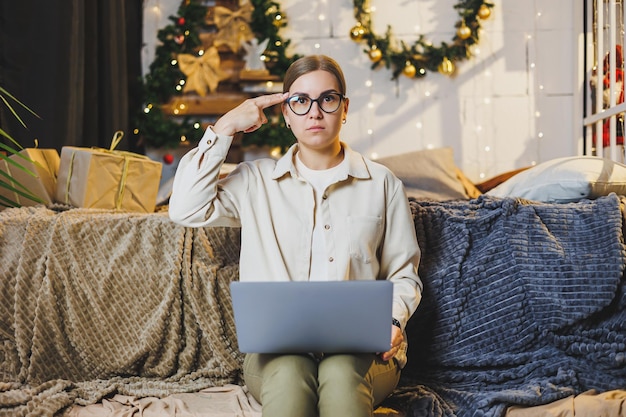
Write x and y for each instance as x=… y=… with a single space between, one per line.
x=415 y=60
x=163 y=81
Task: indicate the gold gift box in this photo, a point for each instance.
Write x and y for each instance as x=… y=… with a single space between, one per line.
x=44 y=164
x=108 y=179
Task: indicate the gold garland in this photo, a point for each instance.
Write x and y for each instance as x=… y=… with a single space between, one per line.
x=415 y=60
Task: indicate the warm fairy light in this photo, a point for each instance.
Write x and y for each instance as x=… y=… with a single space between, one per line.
x=275 y=152
x=370 y=131
x=368 y=83
x=196 y=125
x=174 y=62
x=183 y=138
x=317 y=46
x=374 y=156
x=321 y=17
x=201 y=52
x=370 y=105
x=419 y=125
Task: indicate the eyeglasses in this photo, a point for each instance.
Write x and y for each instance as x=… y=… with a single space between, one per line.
x=327 y=102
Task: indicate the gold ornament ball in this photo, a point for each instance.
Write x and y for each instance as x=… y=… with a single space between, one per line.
x=484 y=12
x=463 y=32
x=375 y=54
x=409 y=70
x=446 y=67
x=357 y=32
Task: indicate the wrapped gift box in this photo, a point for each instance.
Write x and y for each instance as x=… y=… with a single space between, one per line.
x=44 y=163
x=107 y=179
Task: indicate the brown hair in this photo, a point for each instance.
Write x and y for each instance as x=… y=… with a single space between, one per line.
x=312 y=63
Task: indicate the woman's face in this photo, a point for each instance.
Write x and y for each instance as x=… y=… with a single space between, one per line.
x=316 y=129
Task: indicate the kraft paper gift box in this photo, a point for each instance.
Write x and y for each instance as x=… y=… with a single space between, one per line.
x=44 y=163
x=108 y=179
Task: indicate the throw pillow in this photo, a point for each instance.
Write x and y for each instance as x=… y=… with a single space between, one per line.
x=427 y=174
x=564 y=180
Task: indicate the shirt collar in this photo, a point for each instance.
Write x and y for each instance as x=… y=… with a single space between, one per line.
x=356 y=165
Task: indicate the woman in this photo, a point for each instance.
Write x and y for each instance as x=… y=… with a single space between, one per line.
x=321 y=212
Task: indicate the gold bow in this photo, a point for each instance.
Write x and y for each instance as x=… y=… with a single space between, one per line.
x=233 y=26
x=202 y=71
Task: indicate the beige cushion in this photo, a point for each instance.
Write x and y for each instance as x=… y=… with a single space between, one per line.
x=564 y=180
x=428 y=174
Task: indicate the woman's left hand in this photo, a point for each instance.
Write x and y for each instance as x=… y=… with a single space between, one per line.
x=396 y=340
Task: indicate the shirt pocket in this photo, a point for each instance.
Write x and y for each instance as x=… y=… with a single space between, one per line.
x=364 y=236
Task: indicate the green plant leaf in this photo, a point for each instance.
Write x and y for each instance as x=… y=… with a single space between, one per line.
x=11 y=184
x=3 y=94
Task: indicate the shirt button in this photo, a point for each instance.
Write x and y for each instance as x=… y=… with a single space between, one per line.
x=324 y=197
x=331 y=259
x=327 y=226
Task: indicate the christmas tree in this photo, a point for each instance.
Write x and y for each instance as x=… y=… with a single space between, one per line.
x=182 y=51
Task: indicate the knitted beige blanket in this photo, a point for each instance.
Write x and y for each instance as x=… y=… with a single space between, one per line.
x=97 y=303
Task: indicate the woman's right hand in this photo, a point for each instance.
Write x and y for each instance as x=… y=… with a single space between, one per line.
x=248 y=116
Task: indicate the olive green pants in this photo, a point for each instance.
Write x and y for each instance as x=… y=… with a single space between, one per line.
x=338 y=385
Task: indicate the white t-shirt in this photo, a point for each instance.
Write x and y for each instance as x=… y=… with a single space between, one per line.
x=320 y=180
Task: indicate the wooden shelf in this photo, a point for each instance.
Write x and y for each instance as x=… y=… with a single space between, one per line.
x=215 y=104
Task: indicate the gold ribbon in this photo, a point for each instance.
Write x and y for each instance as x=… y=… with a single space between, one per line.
x=201 y=71
x=233 y=26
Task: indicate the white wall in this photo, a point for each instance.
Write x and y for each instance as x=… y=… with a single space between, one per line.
x=514 y=104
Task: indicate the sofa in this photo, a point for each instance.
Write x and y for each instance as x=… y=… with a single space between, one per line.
x=113 y=313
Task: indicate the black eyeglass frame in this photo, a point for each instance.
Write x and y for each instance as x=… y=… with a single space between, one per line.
x=316 y=100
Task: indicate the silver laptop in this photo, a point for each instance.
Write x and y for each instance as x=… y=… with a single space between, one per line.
x=297 y=317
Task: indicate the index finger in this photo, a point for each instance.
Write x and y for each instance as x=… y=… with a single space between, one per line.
x=270 y=99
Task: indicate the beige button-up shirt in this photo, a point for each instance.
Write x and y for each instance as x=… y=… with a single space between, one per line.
x=367 y=221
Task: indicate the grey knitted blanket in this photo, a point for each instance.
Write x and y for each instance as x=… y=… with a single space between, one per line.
x=524 y=303
x=94 y=303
